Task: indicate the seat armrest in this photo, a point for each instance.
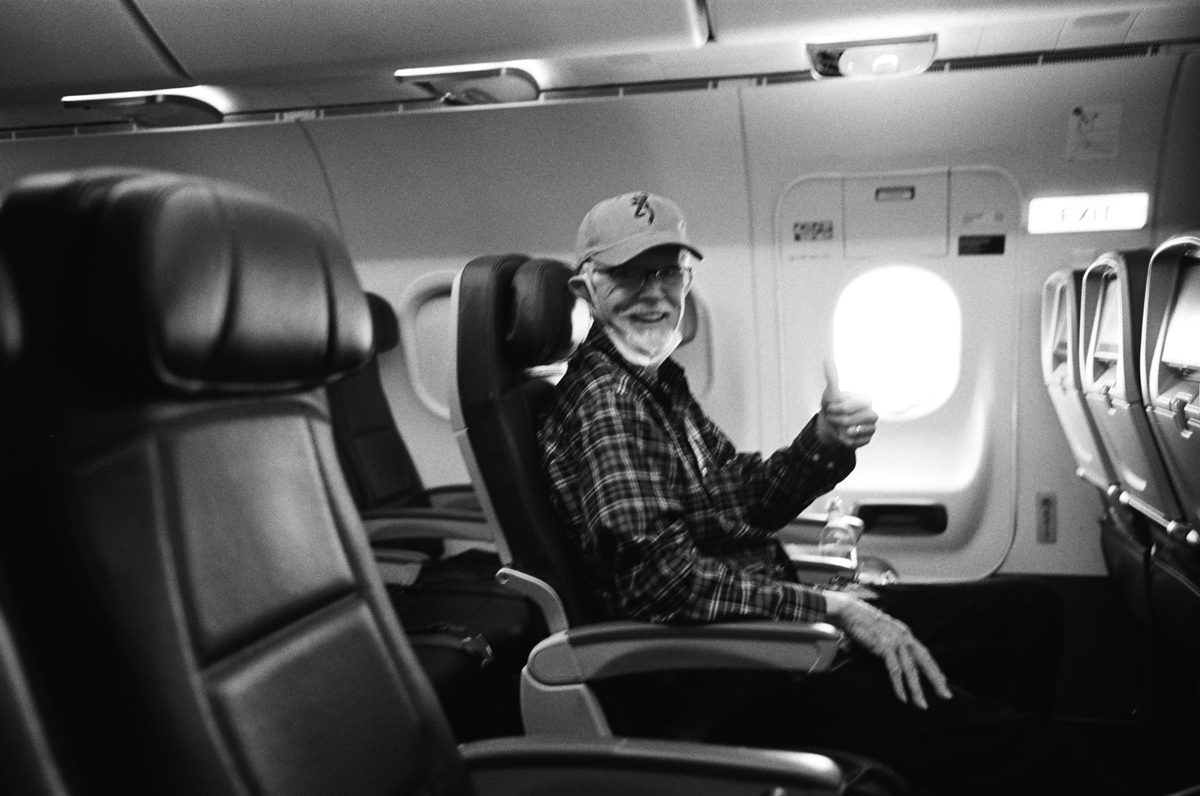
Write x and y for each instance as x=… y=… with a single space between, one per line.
x=610 y=649
x=455 y=513
x=540 y=592
x=400 y=567
x=460 y=497
x=533 y=764
x=422 y=523
x=818 y=570
x=556 y=693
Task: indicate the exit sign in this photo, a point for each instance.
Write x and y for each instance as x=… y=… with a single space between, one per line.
x=1098 y=213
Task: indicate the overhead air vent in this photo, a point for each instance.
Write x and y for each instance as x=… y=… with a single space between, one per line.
x=1053 y=57
x=490 y=86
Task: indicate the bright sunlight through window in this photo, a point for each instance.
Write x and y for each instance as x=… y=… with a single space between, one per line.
x=897 y=337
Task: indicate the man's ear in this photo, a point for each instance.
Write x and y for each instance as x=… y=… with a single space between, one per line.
x=579 y=287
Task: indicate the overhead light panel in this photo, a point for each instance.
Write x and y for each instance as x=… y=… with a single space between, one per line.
x=481 y=84
x=873 y=58
x=185 y=107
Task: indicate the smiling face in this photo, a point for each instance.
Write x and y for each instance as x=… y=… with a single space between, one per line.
x=642 y=298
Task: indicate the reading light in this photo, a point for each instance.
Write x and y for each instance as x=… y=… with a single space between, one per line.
x=481 y=84
x=1094 y=213
x=876 y=58
x=183 y=107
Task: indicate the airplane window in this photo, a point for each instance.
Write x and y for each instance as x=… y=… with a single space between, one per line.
x=433 y=352
x=897 y=337
x=424 y=313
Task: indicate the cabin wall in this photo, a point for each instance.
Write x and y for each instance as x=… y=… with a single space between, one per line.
x=424 y=193
x=418 y=194
x=275 y=159
x=1015 y=121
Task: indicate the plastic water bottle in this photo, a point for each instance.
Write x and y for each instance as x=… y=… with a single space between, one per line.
x=839 y=537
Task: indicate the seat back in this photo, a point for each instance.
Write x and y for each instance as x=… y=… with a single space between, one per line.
x=236 y=637
x=30 y=762
x=1061 y=354
x=1171 y=366
x=378 y=467
x=1113 y=299
x=515 y=320
x=1171 y=374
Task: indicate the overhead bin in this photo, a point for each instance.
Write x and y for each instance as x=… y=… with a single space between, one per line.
x=98 y=46
x=265 y=40
x=961 y=31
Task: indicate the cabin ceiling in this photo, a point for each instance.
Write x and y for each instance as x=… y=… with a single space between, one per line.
x=271 y=55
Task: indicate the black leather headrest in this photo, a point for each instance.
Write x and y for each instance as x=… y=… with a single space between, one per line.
x=384 y=323
x=185 y=283
x=543 y=327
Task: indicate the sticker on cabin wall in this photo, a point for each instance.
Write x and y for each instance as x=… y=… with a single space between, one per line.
x=983 y=218
x=807 y=231
x=1093 y=131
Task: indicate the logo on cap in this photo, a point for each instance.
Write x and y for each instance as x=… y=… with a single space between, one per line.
x=642 y=207
x=612 y=234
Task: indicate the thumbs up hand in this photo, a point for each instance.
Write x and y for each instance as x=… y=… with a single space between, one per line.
x=845 y=419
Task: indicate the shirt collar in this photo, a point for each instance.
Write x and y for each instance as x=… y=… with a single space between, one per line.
x=670 y=373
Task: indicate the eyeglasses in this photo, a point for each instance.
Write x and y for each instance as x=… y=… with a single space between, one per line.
x=632 y=278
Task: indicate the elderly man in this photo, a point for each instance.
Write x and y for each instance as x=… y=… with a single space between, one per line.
x=677 y=526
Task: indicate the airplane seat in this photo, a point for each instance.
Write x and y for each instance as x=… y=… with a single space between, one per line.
x=1061 y=375
x=31 y=762
x=516 y=324
x=409 y=524
x=495 y=404
x=1171 y=385
x=203 y=499
x=379 y=469
x=1113 y=299
x=1124 y=538
x=434 y=551
x=233 y=624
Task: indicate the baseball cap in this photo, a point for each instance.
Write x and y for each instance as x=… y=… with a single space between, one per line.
x=624 y=226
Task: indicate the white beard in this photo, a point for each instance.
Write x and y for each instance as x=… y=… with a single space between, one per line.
x=641 y=347
x=645 y=349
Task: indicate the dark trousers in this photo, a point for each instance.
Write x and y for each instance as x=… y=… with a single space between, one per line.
x=999 y=643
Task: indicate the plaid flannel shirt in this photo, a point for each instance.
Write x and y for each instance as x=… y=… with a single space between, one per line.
x=674 y=524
